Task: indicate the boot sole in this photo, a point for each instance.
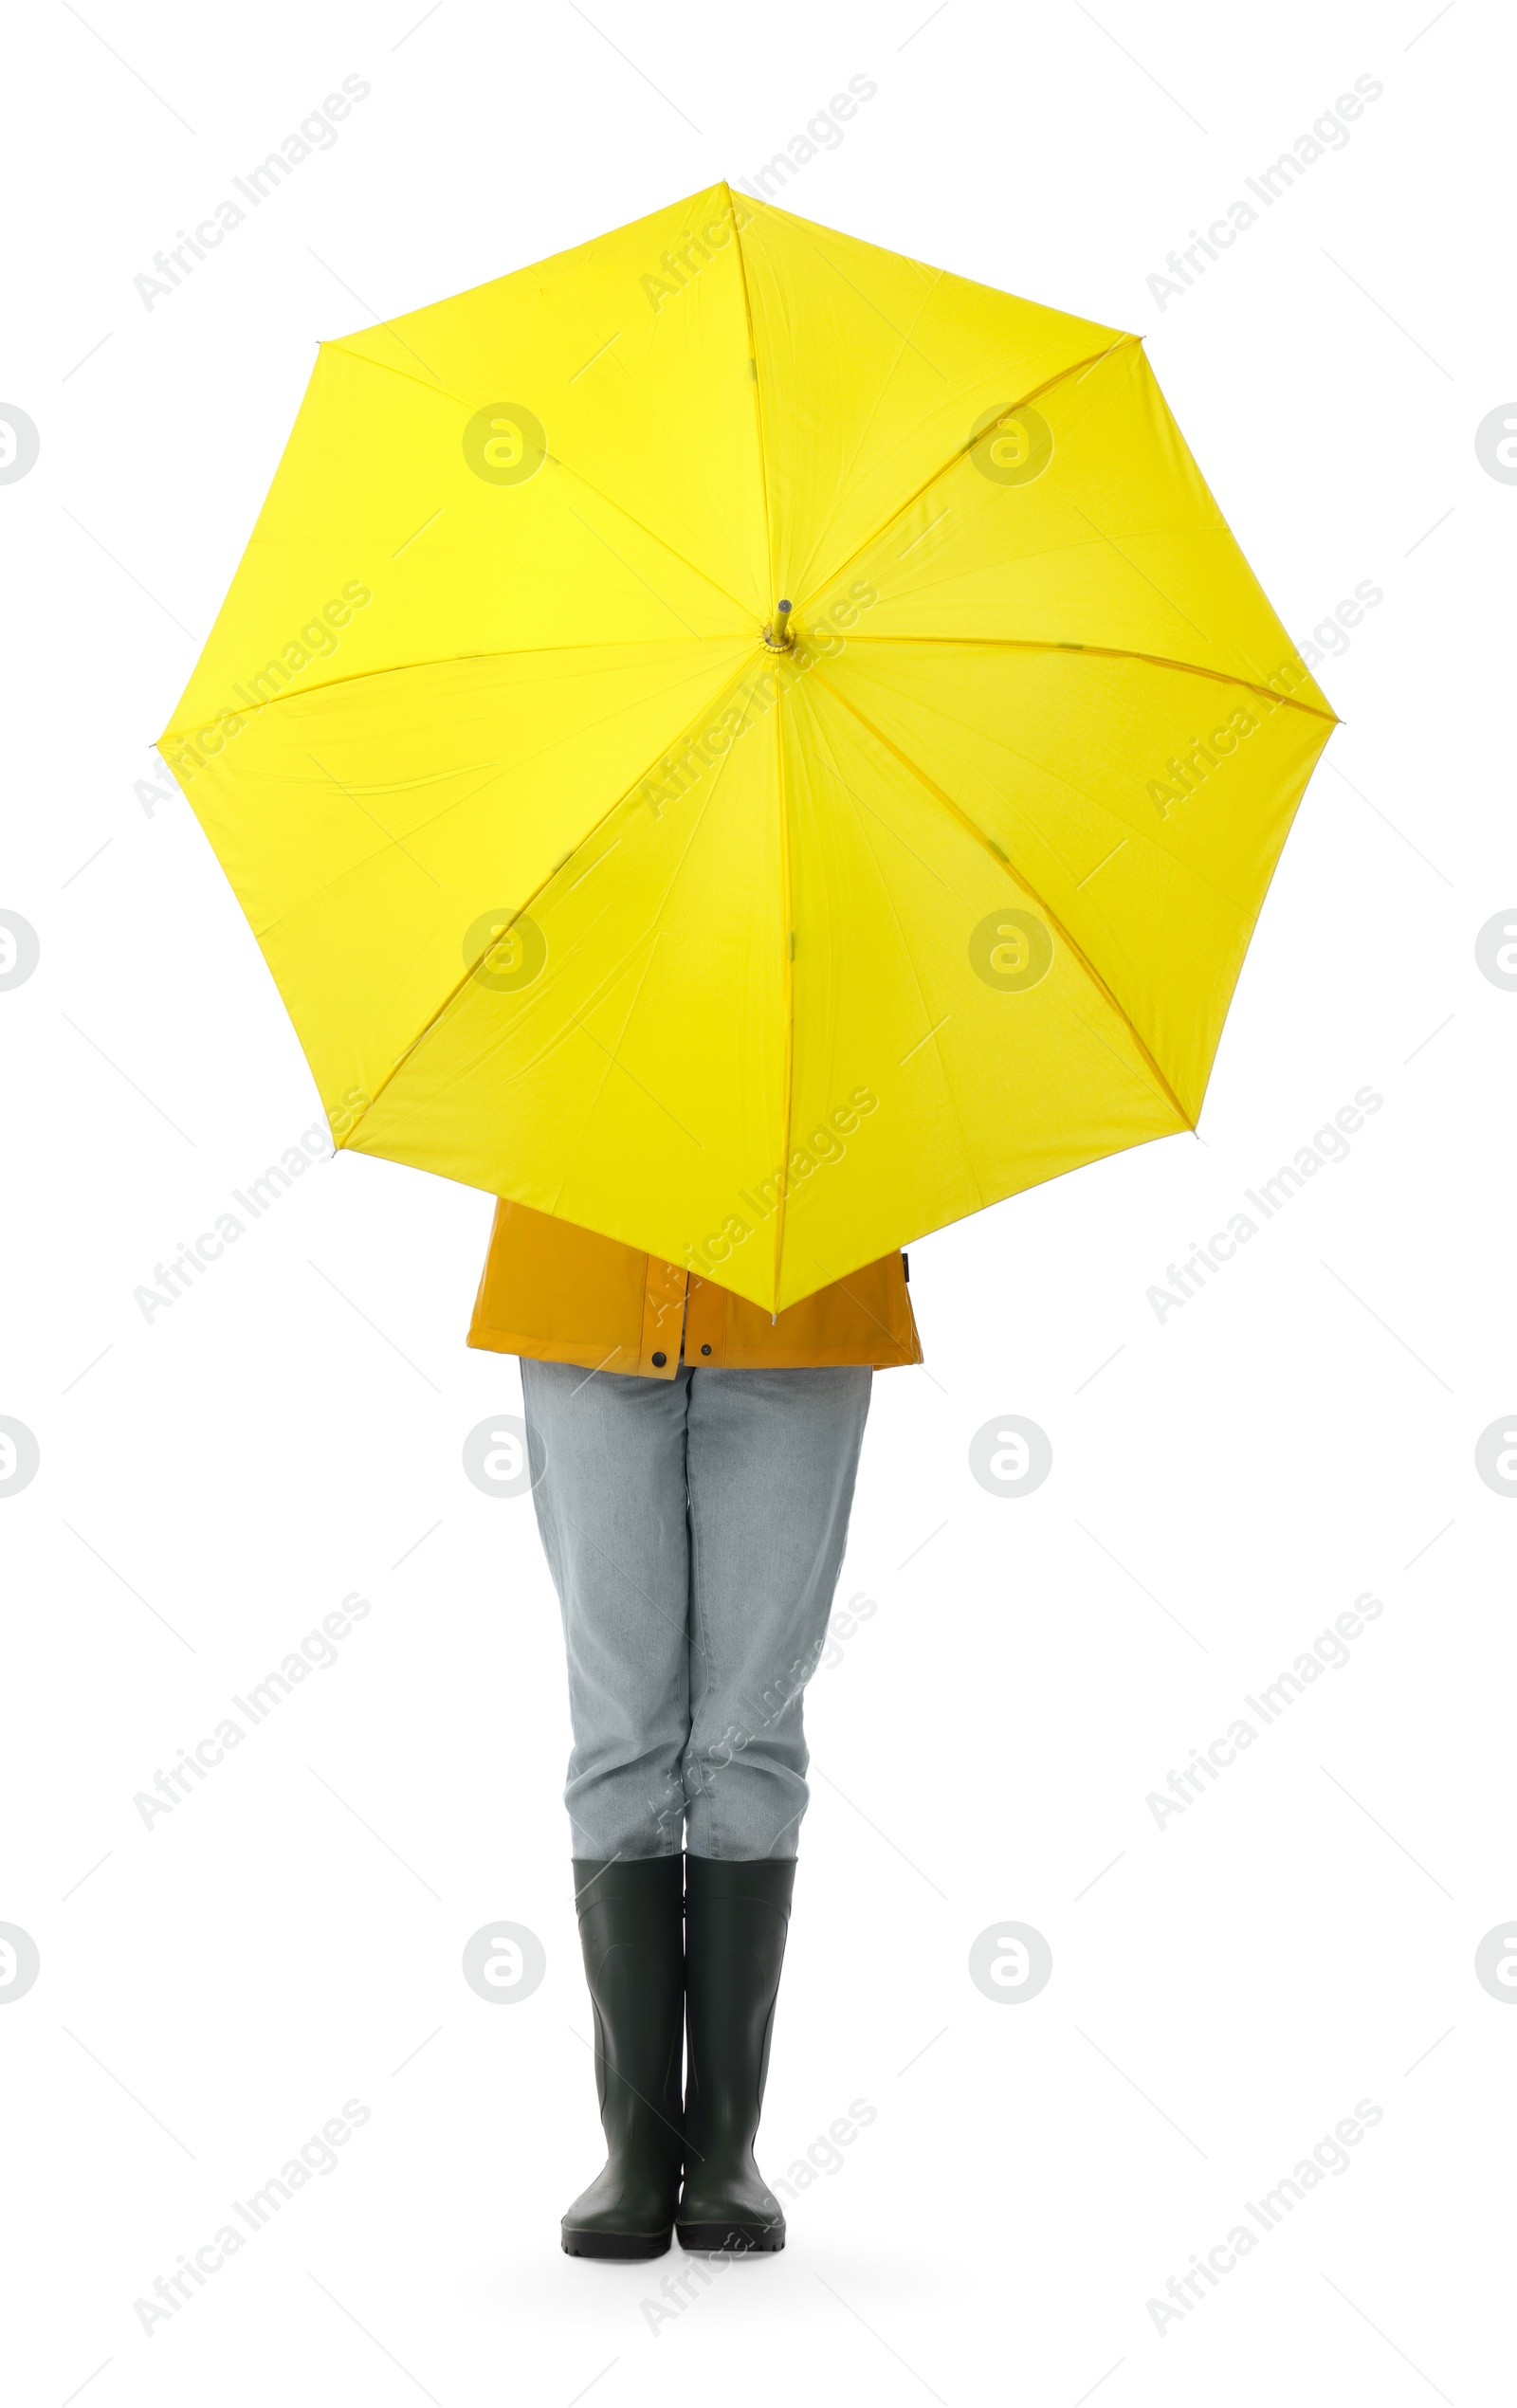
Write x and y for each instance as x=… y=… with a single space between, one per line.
x=730 y=2240
x=621 y=2245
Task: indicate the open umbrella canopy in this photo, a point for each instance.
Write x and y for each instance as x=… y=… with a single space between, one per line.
x=746 y=743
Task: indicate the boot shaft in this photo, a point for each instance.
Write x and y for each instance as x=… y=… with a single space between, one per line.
x=632 y=1938
x=737 y=1918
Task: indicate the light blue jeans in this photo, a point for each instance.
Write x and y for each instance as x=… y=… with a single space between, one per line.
x=695 y=1529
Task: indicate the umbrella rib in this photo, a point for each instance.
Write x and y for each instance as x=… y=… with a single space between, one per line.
x=788 y=973
x=456 y=660
x=1043 y=769
x=1073 y=643
x=995 y=851
x=962 y=451
x=757 y=395
x=885 y=889
x=1104 y=652
x=905 y=344
x=425 y=826
x=541 y=888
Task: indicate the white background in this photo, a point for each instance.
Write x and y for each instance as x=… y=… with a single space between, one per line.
x=1225 y=1482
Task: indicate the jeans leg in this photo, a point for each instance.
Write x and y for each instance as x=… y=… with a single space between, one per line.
x=772 y=1456
x=612 y=1509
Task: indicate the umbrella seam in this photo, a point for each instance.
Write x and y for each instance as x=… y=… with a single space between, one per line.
x=1106 y=652
x=1144 y=836
x=540 y=888
x=425 y=826
x=962 y=451
x=787 y=1071
x=758 y=399
x=1026 y=885
x=447 y=660
x=948 y=1084
x=906 y=345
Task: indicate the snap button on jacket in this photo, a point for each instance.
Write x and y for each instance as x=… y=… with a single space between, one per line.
x=565 y=1295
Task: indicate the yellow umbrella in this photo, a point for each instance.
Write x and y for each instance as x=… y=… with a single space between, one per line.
x=746 y=743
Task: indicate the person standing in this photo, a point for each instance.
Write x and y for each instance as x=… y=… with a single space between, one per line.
x=693 y=1461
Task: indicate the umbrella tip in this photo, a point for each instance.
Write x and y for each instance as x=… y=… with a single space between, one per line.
x=777 y=634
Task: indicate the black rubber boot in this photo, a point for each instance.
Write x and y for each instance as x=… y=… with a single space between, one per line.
x=736 y=1917
x=629 y=1930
